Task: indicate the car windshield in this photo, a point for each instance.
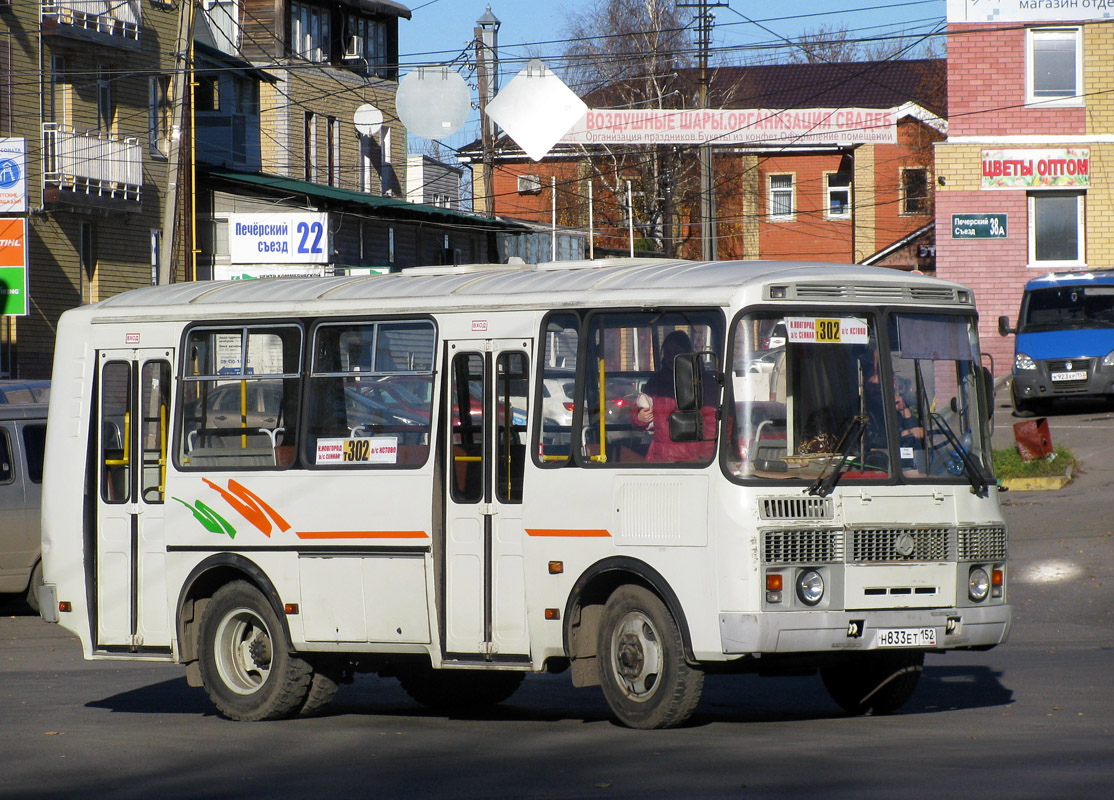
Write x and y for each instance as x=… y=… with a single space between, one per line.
x=903 y=400
x=1067 y=308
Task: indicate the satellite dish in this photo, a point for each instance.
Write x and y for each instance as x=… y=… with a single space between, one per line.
x=433 y=103
x=368 y=119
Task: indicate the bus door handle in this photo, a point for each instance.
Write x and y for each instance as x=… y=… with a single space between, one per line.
x=488 y=509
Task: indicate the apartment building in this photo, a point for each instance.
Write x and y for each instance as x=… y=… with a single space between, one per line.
x=1023 y=188
x=84 y=113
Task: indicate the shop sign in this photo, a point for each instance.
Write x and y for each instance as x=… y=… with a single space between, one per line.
x=13 y=267
x=1063 y=168
x=13 y=176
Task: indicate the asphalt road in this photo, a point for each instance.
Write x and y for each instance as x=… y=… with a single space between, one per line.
x=1030 y=719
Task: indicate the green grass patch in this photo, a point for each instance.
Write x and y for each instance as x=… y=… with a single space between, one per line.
x=1008 y=464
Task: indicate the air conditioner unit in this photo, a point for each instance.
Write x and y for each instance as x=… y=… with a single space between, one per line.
x=529 y=184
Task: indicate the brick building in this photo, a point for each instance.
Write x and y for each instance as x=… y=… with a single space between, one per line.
x=777 y=199
x=1024 y=187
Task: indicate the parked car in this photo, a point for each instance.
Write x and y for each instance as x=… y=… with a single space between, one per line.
x=558 y=389
x=22 y=441
x=19 y=391
x=395 y=396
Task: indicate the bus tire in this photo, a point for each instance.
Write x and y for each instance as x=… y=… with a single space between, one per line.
x=873 y=683
x=643 y=672
x=246 y=665
x=459 y=690
x=323 y=688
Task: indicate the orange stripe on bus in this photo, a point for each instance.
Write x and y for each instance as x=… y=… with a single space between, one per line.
x=581 y=532
x=362 y=535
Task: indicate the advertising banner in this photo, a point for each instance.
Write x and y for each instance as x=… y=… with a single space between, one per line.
x=1029 y=10
x=745 y=126
x=13 y=176
x=1063 y=168
x=13 y=267
x=290 y=238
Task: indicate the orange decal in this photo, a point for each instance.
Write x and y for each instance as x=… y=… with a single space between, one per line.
x=248 y=504
x=362 y=535
x=580 y=532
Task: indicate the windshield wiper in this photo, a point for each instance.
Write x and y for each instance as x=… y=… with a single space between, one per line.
x=826 y=481
x=970 y=468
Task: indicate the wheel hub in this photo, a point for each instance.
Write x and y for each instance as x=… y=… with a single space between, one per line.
x=260 y=651
x=630 y=656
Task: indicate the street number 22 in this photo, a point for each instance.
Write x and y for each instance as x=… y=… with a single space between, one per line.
x=307 y=229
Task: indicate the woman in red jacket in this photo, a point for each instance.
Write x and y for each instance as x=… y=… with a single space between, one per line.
x=658 y=401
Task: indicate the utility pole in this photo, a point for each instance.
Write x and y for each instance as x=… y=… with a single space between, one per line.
x=183 y=74
x=486 y=35
x=705 y=20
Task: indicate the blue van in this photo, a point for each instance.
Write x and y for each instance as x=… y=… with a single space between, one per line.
x=1065 y=339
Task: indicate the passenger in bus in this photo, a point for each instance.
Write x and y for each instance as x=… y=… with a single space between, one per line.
x=910 y=433
x=658 y=400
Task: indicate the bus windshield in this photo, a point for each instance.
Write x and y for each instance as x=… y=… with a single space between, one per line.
x=813 y=393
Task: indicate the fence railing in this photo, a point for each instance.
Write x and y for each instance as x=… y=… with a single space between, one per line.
x=92 y=162
x=111 y=17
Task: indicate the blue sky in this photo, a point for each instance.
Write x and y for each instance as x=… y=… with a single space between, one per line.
x=441 y=29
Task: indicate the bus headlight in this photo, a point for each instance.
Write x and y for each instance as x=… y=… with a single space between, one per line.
x=978 y=585
x=1022 y=363
x=810 y=587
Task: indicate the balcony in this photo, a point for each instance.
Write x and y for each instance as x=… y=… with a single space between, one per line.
x=112 y=22
x=91 y=168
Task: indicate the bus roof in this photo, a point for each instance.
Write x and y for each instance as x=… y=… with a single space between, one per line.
x=557 y=284
x=1054 y=279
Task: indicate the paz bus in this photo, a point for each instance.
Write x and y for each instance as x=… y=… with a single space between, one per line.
x=764 y=467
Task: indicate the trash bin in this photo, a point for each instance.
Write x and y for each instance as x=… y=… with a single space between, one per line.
x=1033 y=439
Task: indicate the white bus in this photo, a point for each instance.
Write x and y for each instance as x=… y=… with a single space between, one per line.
x=638 y=471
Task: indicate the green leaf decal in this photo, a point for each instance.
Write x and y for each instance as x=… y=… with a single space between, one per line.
x=209 y=519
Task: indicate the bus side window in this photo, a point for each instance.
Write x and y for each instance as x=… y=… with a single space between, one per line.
x=557 y=389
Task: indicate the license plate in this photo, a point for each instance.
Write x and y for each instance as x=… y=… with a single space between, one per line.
x=1074 y=375
x=905 y=637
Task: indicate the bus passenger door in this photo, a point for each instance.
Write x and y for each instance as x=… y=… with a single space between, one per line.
x=131 y=444
x=485 y=604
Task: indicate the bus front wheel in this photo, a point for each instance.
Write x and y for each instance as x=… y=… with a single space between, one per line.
x=873 y=683
x=246 y=664
x=642 y=666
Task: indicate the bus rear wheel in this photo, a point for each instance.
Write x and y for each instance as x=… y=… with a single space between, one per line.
x=873 y=683
x=642 y=666
x=245 y=660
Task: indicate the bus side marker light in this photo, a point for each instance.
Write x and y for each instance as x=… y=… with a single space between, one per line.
x=556 y=567
x=65 y=606
x=290 y=608
x=996 y=579
x=553 y=613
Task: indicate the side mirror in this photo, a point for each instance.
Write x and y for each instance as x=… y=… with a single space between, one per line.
x=688 y=382
x=988 y=387
x=1004 y=328
x=686 y=426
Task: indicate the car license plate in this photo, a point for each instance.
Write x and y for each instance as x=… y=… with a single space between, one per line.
x=905 y=637
x=1074 y=375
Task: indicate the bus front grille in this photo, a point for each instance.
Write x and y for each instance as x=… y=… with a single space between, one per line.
x=879 y=545
x=815 y=546
x=984 y=543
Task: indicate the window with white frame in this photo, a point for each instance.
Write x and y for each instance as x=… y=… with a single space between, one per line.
x=224 y=23
x=387 y=169
x=780 y=197
x=310 y=145
x=309 y=32
x=1053 y=66
x=914 y=190
x=332 y=135
x=839 y=196
x=1056 y=229
x=529 y=184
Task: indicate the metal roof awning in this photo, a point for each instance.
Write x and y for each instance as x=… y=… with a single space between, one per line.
x=389 y=207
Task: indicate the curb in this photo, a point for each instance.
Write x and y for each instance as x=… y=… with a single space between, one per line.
x=1037 y=484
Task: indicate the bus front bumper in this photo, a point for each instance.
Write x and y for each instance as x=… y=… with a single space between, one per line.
x=833 y=631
